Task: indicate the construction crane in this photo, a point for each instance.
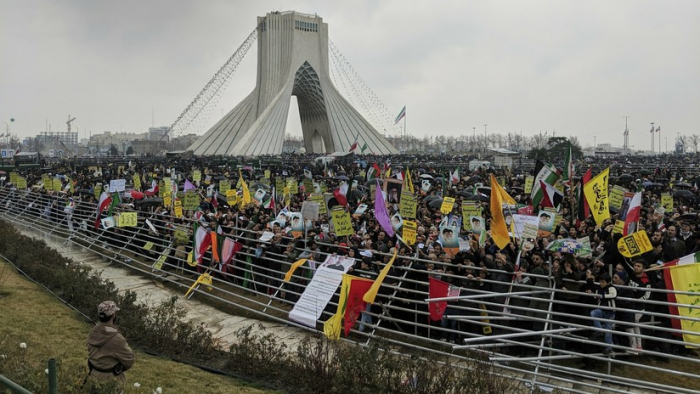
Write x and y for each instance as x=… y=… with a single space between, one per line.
x=70 y=120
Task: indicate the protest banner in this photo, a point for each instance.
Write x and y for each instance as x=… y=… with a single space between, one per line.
x=469 y=209
x=447 y=204
x=529 y=180
x=117 y=185
x=191 y=201
x=167 y=199
x=224 y=186
x=408 y=205
x=616 y=195
x=178 y=208
x=310 y=210
x=634 y=244
x=292 y=185
x=127 y=219
x=409 y=231
x=342 y=222
x=137 y=182
x=667 y=202
x=318 y=198
x=231 y=197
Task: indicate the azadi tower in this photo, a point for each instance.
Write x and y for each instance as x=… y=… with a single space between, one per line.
x=292 y=60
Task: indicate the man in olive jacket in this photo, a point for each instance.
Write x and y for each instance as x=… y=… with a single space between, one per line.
x=109 y=354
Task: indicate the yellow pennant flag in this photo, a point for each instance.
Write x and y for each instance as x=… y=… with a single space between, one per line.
x=333 y=325
x=634 y=244
x=205 y=278
x=499 y=229
x=596 y=193
x=371 y=294
x=246 y=192
x=409 y=181
x=297 y=264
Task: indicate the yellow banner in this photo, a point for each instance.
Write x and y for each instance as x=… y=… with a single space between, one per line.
x=224 y=186
x=408 y=205
x=191 y=201
x=447 y=204
x=267 y=174
x=167 y=199
x=686 y=278
x=619 y=227
x=178 y=208
x=292 y=185
x=148 y=245
x=21 y=183
x=342 y=222
x=127 y=219
x=529 y=180
x=137 y=182
x=634 y=244
x=409 y=231
x=667 y=202
x=596 y=192
x=196 y=175
x=13 y=178
x=231 y=197
x=56 y=185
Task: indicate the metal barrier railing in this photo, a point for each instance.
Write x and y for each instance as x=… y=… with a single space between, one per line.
x=536 y=337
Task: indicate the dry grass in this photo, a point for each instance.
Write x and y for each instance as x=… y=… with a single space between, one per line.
x=52 y=330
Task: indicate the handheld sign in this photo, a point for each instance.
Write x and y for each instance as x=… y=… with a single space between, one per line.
x=634 y=244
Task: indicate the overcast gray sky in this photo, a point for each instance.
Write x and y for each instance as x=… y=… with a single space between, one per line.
x=575 y=67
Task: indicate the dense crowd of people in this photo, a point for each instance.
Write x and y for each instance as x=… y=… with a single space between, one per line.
x=594 y=290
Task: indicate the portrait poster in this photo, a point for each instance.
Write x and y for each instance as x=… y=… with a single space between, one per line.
x=297 y=224
x=449 y=236
x=545 y=223
x=392 y=190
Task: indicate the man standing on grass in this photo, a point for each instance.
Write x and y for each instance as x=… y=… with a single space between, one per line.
x=109 y=354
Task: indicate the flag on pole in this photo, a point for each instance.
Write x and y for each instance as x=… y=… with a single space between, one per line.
x=454 y=176
x=568 y=167
x=439 y=289
x=115 y=202
x=362 y=150
x=683 y=275
x=354 y=146
x=596 y=192
x=354 y=302
x=371 y=294
x=543 y=172
x=632 y=216
x=499 y=229
x=401 y=115
x=105 y=201
x=201 y=241
x=583 y=210
x=652 y=129
x=551 y=197
x=380 y=212
x=658 y=129
x=341 y=194
x=244 y=186
x=408 y=181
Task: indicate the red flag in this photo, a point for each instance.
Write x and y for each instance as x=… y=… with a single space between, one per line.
x=355 y=304
x=551 y=197
x=340 y=194
x=437 y=289
x=354 y=146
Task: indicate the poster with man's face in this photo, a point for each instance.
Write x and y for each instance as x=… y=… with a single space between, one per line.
x=396 y=221
x=297 y=224
x=477 y=223
x=392 y=189
x=449 y=236
x=545 y=223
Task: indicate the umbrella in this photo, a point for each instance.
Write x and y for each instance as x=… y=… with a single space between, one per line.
x=430 y=198
x=484 y=190
x=437 y=203
x=359 y=178
x=426 y=176
x=219 y=178
x=689 y=216
x=464 y=193
x=358 y=194
x=625 y=176
x=147 y=202
x=86 y=191
x=568 y=245
x=645 y=172
x=652 y=184
x=478 y=197
x=258 y=185
x=682 y=184
x=341 y=178
x=683 y=194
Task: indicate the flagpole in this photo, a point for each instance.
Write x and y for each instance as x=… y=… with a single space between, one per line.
x=405 y=135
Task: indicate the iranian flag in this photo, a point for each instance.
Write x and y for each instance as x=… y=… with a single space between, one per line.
x=105 y=201
x=153 y=190
x=354 y=146
x=341 y=194
x=632 y=216
x=201 y=240
x=454 y=176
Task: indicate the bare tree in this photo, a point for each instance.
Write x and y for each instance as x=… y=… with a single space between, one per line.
x=694 y=142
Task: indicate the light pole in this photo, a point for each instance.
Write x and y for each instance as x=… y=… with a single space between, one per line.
x=486 y=141
x=652 y=138
x=666 y=139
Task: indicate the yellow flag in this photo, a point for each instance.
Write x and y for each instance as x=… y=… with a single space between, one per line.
x=499 y=229
x=596 y=193
x=205 y=278
x=297 y=264
x=634 y=244
x=408 y=181
x=686 y=278
x=371 y=294
x=246 y=192
x=333 y=325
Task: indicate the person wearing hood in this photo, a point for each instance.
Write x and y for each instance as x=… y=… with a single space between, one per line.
x=109 y=356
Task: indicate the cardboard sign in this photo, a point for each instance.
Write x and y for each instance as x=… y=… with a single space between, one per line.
x=408 y=205
x=137 y=182
x=98 y=191
x=196 y=175
x=409 y=231
x=529 y=180
x=310 y=210
x=21 y=183
x=292 y=185
x=318 y=198
x=447 y=204
x=267 y=174
x=341 y=222
x=667 y=202
x=634 y=244
x=191 y=201
x=529 y=231
x=167 y=199
x=231 y=197
x=279 y=185
x=117 y=185
x=178 y=208
x=14 y=177
x=57 y=185
x=616 y=195
x=161 y=260
x=308 y=186
x=224 y=186
x=128 y=219
x=619 y=227
x=469 y=209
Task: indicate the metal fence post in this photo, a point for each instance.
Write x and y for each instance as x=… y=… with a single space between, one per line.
x=53 y=378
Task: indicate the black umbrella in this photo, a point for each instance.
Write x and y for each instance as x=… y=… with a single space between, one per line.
x=653 y=184
x=625 y=177
x=478 y=197
x=219 y=178
x=85 y=191
x=689 y=216
x=147 y=202
x=683 y=194
x=359 y=178
x=437 y=203
x=431 y=198
x=484 y=190
x=358 y=194
x=464 y=193
x=682 y=184
x=260 y=185
x=645 y=172
x=341 y=178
